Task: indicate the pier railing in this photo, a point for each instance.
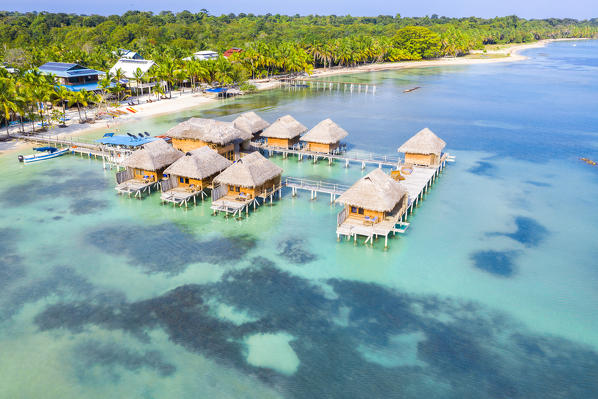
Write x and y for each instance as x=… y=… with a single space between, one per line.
x=342 y=216
x=124 y=175
x=315 y=185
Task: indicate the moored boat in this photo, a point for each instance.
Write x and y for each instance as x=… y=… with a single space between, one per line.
x=44 y=153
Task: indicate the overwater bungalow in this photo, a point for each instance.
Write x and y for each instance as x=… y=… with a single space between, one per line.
x=223 y=137
x=244 y=182
x=373 y=207
x=191 y=174
x=250 y=122
x=145 y=167
x=325 y=137
x=284 y=133
x=423 y=149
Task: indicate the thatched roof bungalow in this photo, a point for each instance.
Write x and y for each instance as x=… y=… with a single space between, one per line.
x=148 y=163
x=284 y=133
x=424 y=148
x=250 y=122
x=251 y=176
x=197 y=168
x=373 y=197
x=325 y=137
x=194 y=133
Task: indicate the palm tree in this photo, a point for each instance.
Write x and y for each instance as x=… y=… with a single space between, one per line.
x=138 y=75
x=80 y=98
x=62 y=96
x=105 y=84
x=7 y=104
x=119 y=75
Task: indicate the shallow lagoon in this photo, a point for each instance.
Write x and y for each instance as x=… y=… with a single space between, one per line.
x=491 y=293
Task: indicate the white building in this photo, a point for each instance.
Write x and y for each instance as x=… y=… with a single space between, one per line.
x=129 y=66
x=203 y=56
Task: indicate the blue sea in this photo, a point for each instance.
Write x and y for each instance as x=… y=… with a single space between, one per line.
x=491 y=293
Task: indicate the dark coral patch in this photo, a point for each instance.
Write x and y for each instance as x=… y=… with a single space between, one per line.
x=294 y=250
x=11 y=265
x=167 y=248
x=84 y=206
x=109 y=355
x=500 y=263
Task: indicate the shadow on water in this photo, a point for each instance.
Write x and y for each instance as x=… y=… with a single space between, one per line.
x=462 y=348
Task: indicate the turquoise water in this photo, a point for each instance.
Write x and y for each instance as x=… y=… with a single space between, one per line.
x=491 y=292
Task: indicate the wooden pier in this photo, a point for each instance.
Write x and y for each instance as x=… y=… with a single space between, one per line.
x=356 y=157
x=331 y=85
x=111 y=157
x=128 y=185
x=315 y=187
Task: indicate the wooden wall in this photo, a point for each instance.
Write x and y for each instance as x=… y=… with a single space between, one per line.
x=421 y=159
x=187 y=182
x=254 y=191
x=319 y=147
x=282 y=143
x=154 y=175
x=354 y=213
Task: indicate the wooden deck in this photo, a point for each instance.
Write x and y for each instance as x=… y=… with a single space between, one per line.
x=235 y=205
x=331 y=84
x=137 y=188
x=182 y=196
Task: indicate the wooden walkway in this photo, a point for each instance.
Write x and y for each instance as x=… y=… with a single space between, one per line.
x=348 y=157
x=315 y=187
x=331 y=84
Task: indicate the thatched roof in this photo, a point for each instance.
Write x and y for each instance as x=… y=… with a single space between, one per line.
x=153 y=156
x=285 y=127
x=325 y=132
x=376 y=191
x=199 y=164
x=208 y=130
x=252 y=170
x=423 y=142
x=250 y=122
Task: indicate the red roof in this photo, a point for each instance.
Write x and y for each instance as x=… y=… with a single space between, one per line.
x=231 y=51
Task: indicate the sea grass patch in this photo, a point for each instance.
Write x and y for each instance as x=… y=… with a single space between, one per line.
x=499 y=263
x=85 y=206
x=167 y=248
x=455 y=356
x=110 y=358
x=295 y=250
x=528 y=232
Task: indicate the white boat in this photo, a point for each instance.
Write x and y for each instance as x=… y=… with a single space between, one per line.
x=45 y=153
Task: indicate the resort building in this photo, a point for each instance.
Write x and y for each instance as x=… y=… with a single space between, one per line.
x=241 y=184
x=325 y=137
x=202 y=56
x=223 y=137
x=145 y=167
x=127 y=54
x=423 y=149
x=251 y=123
x=191 y=174
x=373 y=206
x=284 y=133
x=72 y=76
x=129 y=68
x=231 y=51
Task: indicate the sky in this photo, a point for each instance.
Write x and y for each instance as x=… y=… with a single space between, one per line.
x=580 y=9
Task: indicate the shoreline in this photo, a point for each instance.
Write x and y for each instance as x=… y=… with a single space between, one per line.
x=186 y=100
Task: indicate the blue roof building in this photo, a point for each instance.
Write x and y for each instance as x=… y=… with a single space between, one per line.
x=72 y=76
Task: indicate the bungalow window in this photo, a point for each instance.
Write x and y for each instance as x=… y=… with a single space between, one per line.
x=181 y=180
x=353 y=209
x=361 y=211
x=237 y=189
x=186 y=181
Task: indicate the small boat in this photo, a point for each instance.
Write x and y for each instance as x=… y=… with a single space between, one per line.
x=45 y=153
x=412 y=89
